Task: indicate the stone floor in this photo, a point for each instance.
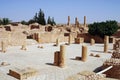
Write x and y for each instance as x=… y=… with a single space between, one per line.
x=42 y=59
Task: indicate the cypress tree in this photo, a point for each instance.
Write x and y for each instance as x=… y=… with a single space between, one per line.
x=49 y=20
x=41 y=18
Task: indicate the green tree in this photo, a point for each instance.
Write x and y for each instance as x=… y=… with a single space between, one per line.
x=31 y=21
x=49 y=20
x=24 y=22
x=41 y=18
x=53 y=21
x=103 y=28
x=5 y=21
x=35 y=18
x=0 y=21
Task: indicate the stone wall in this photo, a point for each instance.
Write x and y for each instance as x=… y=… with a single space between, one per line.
x=17 y=38
x=50 y=37
x=12 y=38
x=87 y=37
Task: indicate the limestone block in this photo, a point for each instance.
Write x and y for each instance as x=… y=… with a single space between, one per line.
x=69 y=39
x=106 y=40
x=3 y=46
x=79 y=40
x=92 y=41
x=22 y=74
x=105 y=48
x=84 y=53
x=56 y=58
x=62 y=55
x=57 y=42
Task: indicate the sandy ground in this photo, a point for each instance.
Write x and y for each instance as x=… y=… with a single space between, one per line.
x=42 y=60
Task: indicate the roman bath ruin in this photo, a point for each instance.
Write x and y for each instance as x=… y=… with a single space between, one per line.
x=58 y=52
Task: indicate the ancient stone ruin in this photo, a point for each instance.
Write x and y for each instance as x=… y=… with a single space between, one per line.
x=68 y=23
x=116 y=45
x=87 y=75
x=79 y=40
x=84 y=53
x=22 y=74
x=114 y=72
x=59 y=57
x=92 y=42
x=106 y=42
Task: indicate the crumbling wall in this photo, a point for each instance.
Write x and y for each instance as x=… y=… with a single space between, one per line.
x=17 y=38
x=114 y=72
x=12 y=38
x=87 y=37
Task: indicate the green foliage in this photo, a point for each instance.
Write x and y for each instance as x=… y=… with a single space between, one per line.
x=0 y=22
x=35 y=18
x=24 y=22
x=31 y=21
x=39 y=18
x=4 y=21
x=103 y=28
x=51 y=21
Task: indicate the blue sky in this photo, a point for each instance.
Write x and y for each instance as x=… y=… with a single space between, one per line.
x=94 y=10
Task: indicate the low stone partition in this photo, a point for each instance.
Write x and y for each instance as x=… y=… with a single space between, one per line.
x=87 y=75
x=92 y=41
x=22 y=74
x=114 y=72
x=116 y=55
x=116 y=45
x=13 y=38
x=112 y=62
x=79 y=40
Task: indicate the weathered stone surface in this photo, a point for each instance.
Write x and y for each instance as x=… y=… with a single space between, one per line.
x=116 y=45
x=84 y=53
x=87 y=75
x=22 y=74
x=92 y=41
x=114 y=72
x=62 y=55
x=57 y=58
x=79 y=40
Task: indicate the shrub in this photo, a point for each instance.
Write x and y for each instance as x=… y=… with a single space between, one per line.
x=103 y=28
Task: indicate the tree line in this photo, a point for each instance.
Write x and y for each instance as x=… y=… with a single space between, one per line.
x=4 y=21
x=103 y=28
x=38 y=18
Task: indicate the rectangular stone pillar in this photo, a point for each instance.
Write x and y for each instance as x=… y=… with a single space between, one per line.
x=24 y=46
x=68 y=21
x=57 y=42
x=92 y=41
x=62 y=55
x=79 y=40
x=84 y=53
x=3 y=46
x=106 y=42
x=37 y=37
x=85 y=21
x=105 y=48
x=69 y=39
x=56 y=58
